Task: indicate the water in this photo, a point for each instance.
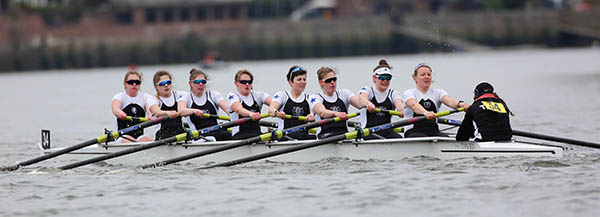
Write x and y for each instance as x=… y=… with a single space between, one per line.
x=551 y=91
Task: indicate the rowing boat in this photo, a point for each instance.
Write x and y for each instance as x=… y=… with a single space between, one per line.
x=384 y=149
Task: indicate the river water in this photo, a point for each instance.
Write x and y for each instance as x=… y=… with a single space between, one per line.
x=553 y=92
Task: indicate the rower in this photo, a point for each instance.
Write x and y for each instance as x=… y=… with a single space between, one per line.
x=165 y=103
x=246 y=103
x=487 y=119
x=382 y=97
x=332 y=103
x=293 y=102
x=426 y=101
x=131 y=103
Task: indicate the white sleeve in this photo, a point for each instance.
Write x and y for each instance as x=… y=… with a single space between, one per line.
x=364 y=89
x=395 y=95
x=441 y=93
x=261 y=96
x=186 y=98
x=231 y=98
x=280 y=97
x=345 y=95
x=314 y=99
x=150 y=100
x=409 y=94
x=215 y=96
x=118 y=96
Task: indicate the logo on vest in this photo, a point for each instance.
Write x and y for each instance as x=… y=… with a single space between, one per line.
x=335 y=108
x=427 y=104
x=297 y=110
x=205 y=111
x=380 y=114
x=134 y=110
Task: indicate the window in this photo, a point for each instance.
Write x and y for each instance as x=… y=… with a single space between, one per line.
x=124 y=17
x=184 y=14
x=219 y=12
x=168 y=15
x=234 y=12
x=201 y=13
x=150 y=15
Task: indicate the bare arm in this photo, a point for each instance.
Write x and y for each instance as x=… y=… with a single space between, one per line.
x=268 y=100
x=273 y=109
x=238 y=108
x=453 y=103
x=418 y=109
x=399 y=107
x=355 y=102
x=365 y=103
x=223 y=105
x=116 y=109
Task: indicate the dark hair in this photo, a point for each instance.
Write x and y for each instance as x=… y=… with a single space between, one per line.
x=420 y=65
x=382 y=64
x=324 y=71
x=131 y=73
x=156 y=78
x=294 y=72
x=243 y=72
x=195 y=72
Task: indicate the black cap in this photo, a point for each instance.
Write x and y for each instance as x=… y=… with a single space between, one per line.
x=482 y=88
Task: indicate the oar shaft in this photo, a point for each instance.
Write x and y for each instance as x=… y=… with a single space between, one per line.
x=349 y=135
x=96 y=140
x=220 y=117
x=121 y=153
x=280 y=151
x=533 y=135
x=262 y=137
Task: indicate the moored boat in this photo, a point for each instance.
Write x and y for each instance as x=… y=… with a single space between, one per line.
x=385 y=149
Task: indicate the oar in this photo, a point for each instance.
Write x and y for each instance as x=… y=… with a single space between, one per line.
x=113 y=135
x=533 y=135
x=177 y=138
x=262 y=137
x=220 y=117
x=391 y=112
x=138 y=119
x=349 y=135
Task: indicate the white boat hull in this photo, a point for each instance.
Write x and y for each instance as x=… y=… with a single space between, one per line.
x=388 y=149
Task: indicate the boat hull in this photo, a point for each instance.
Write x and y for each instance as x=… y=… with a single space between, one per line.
x=387 y=149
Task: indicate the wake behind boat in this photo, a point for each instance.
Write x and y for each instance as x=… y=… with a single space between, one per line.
x=384 y=149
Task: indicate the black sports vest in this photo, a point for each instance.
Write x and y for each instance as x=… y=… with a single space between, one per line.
x=169 y=127
x=209 y=108
x=379 y=118
x=427 y=126
x=133 y=110
x=338 y=106
x=250 y=127
x=297 y=109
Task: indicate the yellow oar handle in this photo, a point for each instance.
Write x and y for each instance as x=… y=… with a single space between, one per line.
x=220 y=117
x=129 y=118
x=300 y=118
x=391 y=112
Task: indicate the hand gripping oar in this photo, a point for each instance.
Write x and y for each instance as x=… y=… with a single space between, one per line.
x=220 y=117
x=532 y=135
x=112 y=136
x=349 y=135
x=177 y=138
x=262 y=137
x=137 y=119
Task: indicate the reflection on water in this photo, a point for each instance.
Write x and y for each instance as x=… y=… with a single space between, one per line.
x=550 y=91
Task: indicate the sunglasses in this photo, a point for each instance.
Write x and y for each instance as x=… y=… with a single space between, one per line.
x=245 y=81
x=134 y=82
x=198 y=81
x=385 y=77
x=163 y=83
x=329 y=80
